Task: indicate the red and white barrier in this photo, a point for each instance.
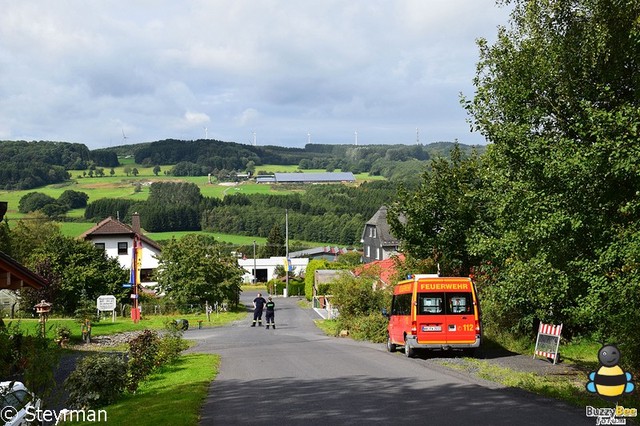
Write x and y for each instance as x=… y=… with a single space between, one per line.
x=548 y=341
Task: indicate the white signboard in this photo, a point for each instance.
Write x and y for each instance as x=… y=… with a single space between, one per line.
x=106 y=303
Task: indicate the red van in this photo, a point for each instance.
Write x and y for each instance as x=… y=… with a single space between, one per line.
x=432 y=312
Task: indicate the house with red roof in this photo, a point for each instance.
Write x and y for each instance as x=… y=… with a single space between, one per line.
x=386 y=269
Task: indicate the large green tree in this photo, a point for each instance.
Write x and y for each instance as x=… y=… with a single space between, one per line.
x=558 y=97
x=77 y=271
x=436 y=220
x=194 y=269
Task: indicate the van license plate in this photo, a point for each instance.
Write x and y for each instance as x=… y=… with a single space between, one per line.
x=431 y=328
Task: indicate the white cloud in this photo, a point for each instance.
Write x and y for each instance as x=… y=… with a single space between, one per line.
x=77 y=71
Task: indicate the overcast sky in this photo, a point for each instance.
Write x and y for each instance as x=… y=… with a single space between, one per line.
x=288 y=71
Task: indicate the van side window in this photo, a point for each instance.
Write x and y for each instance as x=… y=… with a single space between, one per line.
x=401 y=304
x=430 y=303
x=459 y=303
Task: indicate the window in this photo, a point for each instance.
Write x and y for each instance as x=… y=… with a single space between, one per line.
x=434 y=303
x=401 y=304
x=378 y=253
x=123 y=248
x=374 y=232
x=459 y=303
x=368 y=251
x=430 y=303
x=99 y=246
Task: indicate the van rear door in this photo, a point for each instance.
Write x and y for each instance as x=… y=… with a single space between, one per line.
x=460 y=318
x=431 y=320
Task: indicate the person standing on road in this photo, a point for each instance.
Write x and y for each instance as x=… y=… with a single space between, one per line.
x=258 y=305
x=270 y=314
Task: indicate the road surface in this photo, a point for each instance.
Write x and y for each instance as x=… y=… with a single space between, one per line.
x=295 y=375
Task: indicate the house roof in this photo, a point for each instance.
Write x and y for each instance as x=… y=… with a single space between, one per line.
x=113 y=227
x=323 y=276
x=387 y=268
x=379 y=220
x=319 y=251
x=315 y=177
x=14 y=275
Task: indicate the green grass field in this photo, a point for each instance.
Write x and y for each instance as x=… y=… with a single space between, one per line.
x=122 y=186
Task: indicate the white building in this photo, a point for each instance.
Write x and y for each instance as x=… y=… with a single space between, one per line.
x=117 y=238
x=264 y=269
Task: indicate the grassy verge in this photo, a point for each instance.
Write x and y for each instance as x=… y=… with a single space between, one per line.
x=329 y=327
x=106 y=327
x=172 y=396
x=566 y=387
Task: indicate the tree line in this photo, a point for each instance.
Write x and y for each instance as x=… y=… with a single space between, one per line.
x=26 y=165
x=327 y=213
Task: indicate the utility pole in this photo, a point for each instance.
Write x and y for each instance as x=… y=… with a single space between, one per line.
x=286 y=245
x=255 y=271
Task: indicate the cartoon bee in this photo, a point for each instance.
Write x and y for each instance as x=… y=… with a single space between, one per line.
x=610 y=381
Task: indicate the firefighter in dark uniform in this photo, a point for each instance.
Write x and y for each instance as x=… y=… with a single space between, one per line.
x=258 y=305
x=270 y=314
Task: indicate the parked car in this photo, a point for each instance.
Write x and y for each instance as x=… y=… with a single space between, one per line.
x=16 y=401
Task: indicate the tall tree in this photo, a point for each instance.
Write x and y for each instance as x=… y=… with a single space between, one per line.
x=194 y=269
x=435 y=220
x=76 y=270
x=275 y=243
x=558 y=95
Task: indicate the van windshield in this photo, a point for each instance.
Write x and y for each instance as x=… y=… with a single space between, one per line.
x=444 y=303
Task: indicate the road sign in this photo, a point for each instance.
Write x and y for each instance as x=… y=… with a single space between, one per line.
x=126 y=285
x=106 y=303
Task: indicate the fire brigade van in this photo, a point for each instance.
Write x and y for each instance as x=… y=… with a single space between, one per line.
x=432 y=312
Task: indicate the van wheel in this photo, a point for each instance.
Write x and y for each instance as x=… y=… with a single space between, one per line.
x=391 y=347
x=409 y=352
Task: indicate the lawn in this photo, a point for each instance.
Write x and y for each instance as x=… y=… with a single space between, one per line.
x=105 y=327
x=172 y=396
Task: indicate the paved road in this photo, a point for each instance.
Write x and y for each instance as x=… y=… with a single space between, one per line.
x=295 y=375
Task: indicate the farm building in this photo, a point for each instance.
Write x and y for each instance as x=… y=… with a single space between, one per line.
x=342 y=177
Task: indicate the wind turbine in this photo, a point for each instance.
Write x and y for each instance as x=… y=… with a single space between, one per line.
x=124 y=137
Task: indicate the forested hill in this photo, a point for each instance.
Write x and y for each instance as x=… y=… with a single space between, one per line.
x=26 y=165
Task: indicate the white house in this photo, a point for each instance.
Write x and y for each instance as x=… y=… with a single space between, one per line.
x=116 y=239
x=264 y=269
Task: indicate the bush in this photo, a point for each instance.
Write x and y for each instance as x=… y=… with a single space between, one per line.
x=97 y=381
x=372 y=327
x=296 y=287
x=142 y=357
x=355 y=296
x=170 y=345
